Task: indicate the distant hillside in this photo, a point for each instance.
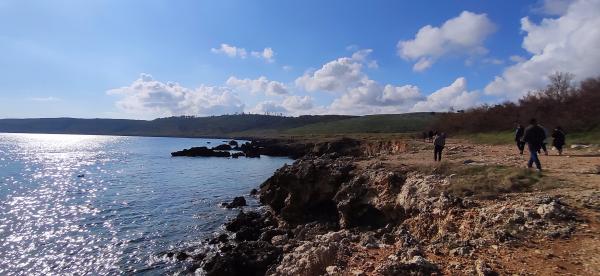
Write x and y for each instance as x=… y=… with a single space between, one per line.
x=225 y=125
x=388 y=123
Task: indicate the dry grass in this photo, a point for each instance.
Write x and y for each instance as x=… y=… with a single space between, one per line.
x=484 y=181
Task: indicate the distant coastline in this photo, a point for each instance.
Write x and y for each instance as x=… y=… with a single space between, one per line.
x=226 y=126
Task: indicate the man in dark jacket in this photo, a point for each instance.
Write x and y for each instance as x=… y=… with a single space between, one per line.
x=519 y=138
x=534 y=137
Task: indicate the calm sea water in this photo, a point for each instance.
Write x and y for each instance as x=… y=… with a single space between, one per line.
x=134 y=203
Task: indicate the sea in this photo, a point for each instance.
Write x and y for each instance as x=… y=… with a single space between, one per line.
x=113 y=205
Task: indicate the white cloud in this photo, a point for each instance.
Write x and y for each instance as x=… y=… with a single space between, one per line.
x=230 y=51
x=267 y=54
x=298 y=103
x=148 y=98
x=554 y=7
x=371 y=93
x=360 y=95
x=291 y=105
x=464 y=34
x=422 y=65
x=260 y=85
x=287 y=68
x=454 y=96
x=336 y=76
x=568 y=43
x=517 y=59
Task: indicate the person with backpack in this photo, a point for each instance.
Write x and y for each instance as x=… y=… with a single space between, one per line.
x=534 y=137
x=439 y=141
x=520 y=131
x=558 y=139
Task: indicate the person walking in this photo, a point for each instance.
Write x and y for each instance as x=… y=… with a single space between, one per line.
x=438 y=145
x=430 y=135
x=520 y=131
x=558 y=139
x=534 y=137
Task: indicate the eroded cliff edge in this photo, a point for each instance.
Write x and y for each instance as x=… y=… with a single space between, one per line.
x=345 y=209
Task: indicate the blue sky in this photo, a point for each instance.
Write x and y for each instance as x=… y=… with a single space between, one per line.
x=146 y=59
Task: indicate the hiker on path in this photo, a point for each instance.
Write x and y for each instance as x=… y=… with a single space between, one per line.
x=430 y=135
x=438 y=145
x=520 y=131
x=534 y=137
x=559 y=139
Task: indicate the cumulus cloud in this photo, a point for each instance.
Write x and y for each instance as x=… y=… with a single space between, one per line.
x=336 y=76
x=267 y=54
x=230 y=51
x=568 y=43
x=464 y=34
x=370 y=96
x=291 y=105
x=298 y=103
x=455 y=96
x=554 y=7
x=360 y=95
x=260 y=85
x=148 y=98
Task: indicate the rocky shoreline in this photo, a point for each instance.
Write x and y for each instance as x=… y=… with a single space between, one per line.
x=337 y=211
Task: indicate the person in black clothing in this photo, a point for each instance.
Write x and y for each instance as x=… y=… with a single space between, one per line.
x=520 y=131
x=559 y=139
x=438 y=145
x=534 y=137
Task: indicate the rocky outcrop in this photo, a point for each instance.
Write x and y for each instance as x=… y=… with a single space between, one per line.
x=246 y=258
x=201 y=152
x=313 y=257
x=305 y=191
x=222 y=147
x=238 y=201
x=368 y=199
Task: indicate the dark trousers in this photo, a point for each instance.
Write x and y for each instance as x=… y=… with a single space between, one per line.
x=533 y=158
x=521 y=146
x=437 y=153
